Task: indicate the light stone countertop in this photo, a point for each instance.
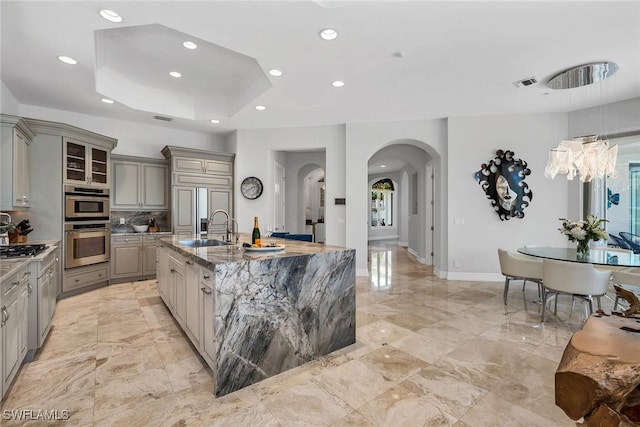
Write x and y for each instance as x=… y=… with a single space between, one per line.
x=9 y=265
x=146 y=233
x=210 y=256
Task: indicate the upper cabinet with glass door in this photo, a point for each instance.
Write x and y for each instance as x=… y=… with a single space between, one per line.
x=85 y=164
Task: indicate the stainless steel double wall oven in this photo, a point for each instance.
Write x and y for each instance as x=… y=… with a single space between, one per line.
x=87 y=227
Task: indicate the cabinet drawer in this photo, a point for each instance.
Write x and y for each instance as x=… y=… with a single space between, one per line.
x=218 y=168
x=202 y=180
x=85 y=278
x=11 y=282
x=206 y=277
x=126 y=240
x=149 y=239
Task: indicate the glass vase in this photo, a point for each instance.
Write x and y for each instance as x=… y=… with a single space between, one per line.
x=582 y=250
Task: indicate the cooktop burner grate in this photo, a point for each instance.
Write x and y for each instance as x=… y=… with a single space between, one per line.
x=21 y=250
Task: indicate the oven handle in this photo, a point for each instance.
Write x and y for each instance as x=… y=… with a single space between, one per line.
x=86 y=230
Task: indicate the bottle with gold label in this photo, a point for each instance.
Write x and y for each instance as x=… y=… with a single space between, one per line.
x=255 y=236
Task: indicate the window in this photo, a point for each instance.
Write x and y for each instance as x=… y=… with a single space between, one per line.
x=382 y=203
x=618 y=199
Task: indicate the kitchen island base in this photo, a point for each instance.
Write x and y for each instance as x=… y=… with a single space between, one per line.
x=271 y=312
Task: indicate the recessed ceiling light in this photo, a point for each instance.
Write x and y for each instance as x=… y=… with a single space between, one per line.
x=337 y=83
x=328 y=34
x=215 y=121
x=67 y=60
x=175 y=74
x=110 y=15
x=383 y=166
x=260 y=107
x=190 y=45
x=275 y=72
x=107 y=100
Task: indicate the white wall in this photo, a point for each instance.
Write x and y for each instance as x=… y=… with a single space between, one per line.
x=134 y=139
x=475 y=230
x=8 y=102
x=254 y=156
x=364 y=140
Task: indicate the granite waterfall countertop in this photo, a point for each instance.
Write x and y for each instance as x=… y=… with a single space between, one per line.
x=271 y=311
x=210 y=256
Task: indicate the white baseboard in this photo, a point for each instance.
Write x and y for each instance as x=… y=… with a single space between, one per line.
x=413 y=254
x=362 y=272
x=403 y=244
x=478 y=277
x=439 y=273
x=390 y=237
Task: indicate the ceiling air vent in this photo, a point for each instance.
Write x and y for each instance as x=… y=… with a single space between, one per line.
x=525 y=82
x=163 y=118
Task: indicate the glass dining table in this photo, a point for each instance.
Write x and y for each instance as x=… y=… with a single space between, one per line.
x=596 y=256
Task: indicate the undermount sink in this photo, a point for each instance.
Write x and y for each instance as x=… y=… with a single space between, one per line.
x=202 y=242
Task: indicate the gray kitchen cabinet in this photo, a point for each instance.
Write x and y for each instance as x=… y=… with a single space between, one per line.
x=14 y=322
x=184 y=210
x=162 y=273
x=139 y=184
x=192 y=302
x=201 y=166
x=133 y=257
x=192 y=171
x=176 y=285
x=126 y=257
x=149 y=255
x=85 y=163
x=15 y=163
x=207 y=309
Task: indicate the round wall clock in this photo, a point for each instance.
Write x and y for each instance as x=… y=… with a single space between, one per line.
x=251 y=187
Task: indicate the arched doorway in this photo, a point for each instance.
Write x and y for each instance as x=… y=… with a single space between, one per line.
x=410 y=168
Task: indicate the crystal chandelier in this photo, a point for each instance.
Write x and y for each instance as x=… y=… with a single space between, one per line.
x=587 y=156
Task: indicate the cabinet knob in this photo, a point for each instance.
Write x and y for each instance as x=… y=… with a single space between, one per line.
x=205 y=290
x=206 y=277
x=172 y=270
x=189 y=262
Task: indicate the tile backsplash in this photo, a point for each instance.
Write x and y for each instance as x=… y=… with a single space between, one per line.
x=132 y=218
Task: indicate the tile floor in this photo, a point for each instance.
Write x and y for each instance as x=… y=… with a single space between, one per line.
x=429 y=352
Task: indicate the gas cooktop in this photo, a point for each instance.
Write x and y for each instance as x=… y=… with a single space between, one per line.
x=14 y=251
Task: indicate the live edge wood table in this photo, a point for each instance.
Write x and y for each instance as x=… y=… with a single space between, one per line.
x=599 y=375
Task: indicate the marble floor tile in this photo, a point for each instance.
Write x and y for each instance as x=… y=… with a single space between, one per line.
x=429 y=352
x=400 y=407
x=354 y=382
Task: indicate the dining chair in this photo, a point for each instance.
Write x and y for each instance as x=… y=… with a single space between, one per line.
x=516 y=266
x=628 y=279
x=632 y=240
x=580 y=280
x=620 y=242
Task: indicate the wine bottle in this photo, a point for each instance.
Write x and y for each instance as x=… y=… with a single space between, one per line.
x=255 y=236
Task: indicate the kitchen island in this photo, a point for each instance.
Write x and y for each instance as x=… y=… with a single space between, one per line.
x=254 y=315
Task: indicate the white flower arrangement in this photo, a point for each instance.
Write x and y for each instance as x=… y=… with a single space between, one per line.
x=584 y=230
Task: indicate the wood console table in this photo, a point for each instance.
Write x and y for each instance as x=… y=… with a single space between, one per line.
x=599 y=375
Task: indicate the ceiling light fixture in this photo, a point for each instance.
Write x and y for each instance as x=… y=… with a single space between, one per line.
x=67 y=60
x=175 y=74
x=337 y=83
x=107 y=100
x=110 y=15
x=190 y=45
x=586 y=155
x=260 y=107
x=215 y=121
x=583 y=75
x=383 y=166
x=275 y=72
x=328 y=34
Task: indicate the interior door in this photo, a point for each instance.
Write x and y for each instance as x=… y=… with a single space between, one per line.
x=278 y=197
